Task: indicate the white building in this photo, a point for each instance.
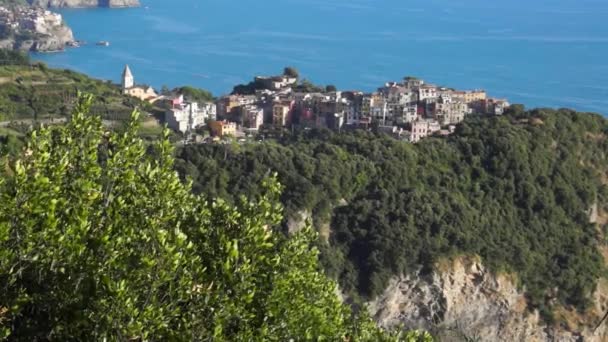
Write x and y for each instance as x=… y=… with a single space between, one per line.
x=186 y=116
x=253 y=117
x=500 y=106
x=449 y=111
x=427 y=91
x=209 y=110
x=276 y=82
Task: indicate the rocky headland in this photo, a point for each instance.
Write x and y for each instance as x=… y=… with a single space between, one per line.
x=33 y=29
x=29 y=26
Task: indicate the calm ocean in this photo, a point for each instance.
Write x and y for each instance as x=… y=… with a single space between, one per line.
x=550 y=53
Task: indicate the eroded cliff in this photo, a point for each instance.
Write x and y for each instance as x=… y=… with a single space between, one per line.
x=462 y=300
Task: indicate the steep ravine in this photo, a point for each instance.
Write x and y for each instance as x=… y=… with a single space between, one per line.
x=462 y=300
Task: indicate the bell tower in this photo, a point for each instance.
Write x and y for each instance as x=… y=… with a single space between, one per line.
x=127 y=78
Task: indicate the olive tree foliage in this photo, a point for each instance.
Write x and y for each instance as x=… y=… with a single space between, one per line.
x=100 y=240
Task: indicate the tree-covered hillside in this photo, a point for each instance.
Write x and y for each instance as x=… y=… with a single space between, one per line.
x=516 y=190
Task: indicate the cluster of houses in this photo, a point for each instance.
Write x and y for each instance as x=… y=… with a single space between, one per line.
x=410 y=110
x=24 y=18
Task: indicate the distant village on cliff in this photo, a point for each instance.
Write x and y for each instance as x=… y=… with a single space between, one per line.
x=409 y=110
x=31 y=26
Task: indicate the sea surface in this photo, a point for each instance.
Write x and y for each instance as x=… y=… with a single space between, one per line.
x=549 y=53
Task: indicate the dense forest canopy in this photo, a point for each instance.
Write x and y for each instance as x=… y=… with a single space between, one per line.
x=516 y=190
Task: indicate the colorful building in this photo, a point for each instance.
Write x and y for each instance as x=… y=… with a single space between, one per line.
x=222 y=128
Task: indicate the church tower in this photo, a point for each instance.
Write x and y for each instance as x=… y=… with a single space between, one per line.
x=127 y=78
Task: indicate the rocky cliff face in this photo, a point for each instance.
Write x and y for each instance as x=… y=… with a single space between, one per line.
x=55 y=40
x=461 y=300
x=85 y=3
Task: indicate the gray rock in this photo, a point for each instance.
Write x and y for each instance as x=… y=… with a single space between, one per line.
x=25 y=45
x=464 y=301
x=50 y=44
x=298 y=222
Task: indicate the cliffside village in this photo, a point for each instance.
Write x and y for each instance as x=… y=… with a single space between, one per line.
x=409 y=110
x=28 y=18
x=33 y=29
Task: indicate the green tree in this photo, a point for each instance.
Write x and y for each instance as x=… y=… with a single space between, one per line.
x=10 y=144
x=194 y=94
x=9 y=57
x=291 y=72
x=101 y=240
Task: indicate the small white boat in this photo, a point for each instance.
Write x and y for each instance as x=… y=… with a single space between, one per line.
x=103 y=43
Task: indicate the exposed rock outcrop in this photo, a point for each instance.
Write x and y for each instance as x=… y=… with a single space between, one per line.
x=594 y=213
x=462 y=300
x=85 y=3
x=296 y=223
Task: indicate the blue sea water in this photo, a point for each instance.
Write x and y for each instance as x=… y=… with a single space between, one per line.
x=550 y=53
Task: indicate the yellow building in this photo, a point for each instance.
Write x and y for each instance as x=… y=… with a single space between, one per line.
x=474 y=96
x=222 y=128
x=142 y=93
